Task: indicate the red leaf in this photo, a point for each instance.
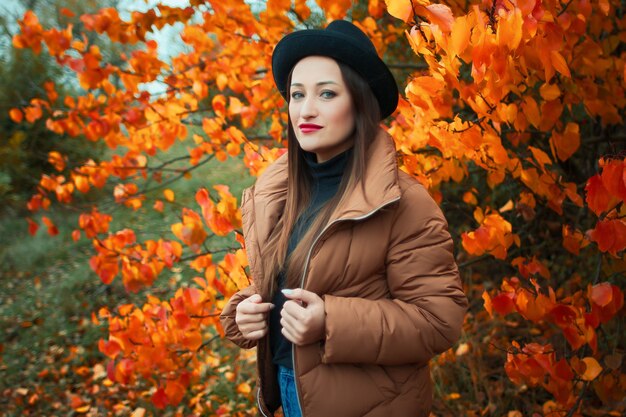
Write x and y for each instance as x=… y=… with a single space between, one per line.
x=601 y=294
x=610 y=235
x=110 y=348
x=32 y=226
x=503 y=303
x=159 y=399
x=52 y=229
x=613 y=178
x=67 y=12
x=598 y=198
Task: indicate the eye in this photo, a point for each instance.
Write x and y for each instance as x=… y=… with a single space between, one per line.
x=296 y=95
x=328 y=94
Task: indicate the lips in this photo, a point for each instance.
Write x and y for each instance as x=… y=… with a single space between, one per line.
x=309 y=127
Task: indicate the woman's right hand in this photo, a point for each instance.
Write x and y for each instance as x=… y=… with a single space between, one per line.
x=251 y=317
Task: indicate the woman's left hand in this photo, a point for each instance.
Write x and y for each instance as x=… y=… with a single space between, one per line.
x=303 y=317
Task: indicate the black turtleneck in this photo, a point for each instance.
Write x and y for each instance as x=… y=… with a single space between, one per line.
x=326 y=177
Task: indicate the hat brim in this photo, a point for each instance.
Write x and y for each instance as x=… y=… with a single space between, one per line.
x=297 y=45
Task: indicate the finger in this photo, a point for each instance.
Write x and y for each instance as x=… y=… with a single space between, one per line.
x=291 y=324
x=251 y=327
x=249 y=318
x=252 y=308
x=255 y=298
x=290 y=336
x=294 y=309
x=305 y=296
x=256 y=335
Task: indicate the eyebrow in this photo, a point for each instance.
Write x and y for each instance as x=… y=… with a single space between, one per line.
x=317 y=84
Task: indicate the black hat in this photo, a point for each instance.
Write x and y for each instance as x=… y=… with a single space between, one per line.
x=346 y=43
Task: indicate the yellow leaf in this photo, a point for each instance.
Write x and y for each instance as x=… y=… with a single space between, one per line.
x=459 y=36
x=507 y=207
x=83 y=409
x=222 y=81
x=138 y=412
x=169 y=195
x=549 y=92
x=400 y=9
x=243 y=388
x=440 y=15
x=462 y=349
x=593 y=369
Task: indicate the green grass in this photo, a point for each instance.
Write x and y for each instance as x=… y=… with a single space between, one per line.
x=48 y=291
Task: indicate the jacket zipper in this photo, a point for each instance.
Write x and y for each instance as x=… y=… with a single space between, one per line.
x=306 y=266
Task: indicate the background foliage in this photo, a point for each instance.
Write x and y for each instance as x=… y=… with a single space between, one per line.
x=511 y=115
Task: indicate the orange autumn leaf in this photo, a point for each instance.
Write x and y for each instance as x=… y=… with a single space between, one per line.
x=375 y=8
x=531 y=111
x=592 y=369
x=549 y=92
x=16 y=115
x=244 y=388
x=613 y=177
x=566 y=143
x=440 y=15
x=110 y=348
x=57 y=160
x=174 y=391
x=509 y=31
x=222 y=217
x=94 y=223
x=488 y=305
x=559 y=63
x=573 y=240
x=31 y=33
x=401 y=9
x=190 y=231
x=52 y=229
x=493 y=236
x=302 y=9
x=335 y=9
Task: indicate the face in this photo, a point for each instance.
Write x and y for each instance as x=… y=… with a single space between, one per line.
x=320 y=107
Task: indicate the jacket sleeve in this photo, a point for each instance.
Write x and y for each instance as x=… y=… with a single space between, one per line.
x=424 y=315
x=227 y=318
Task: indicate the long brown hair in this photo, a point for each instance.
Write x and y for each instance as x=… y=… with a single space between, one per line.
x=367 y=119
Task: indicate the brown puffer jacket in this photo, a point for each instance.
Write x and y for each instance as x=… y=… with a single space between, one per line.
x=385 y=269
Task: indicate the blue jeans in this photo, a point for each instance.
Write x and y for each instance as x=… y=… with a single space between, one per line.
x=288 y=394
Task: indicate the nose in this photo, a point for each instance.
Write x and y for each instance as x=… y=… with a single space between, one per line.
x=308 y=108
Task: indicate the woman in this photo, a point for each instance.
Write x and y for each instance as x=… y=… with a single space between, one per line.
x=355 y=284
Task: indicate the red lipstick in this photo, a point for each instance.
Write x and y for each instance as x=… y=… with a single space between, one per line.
x=309 y=127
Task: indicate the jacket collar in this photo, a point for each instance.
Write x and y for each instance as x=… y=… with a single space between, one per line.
x=379 y=185
x=378 y=188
